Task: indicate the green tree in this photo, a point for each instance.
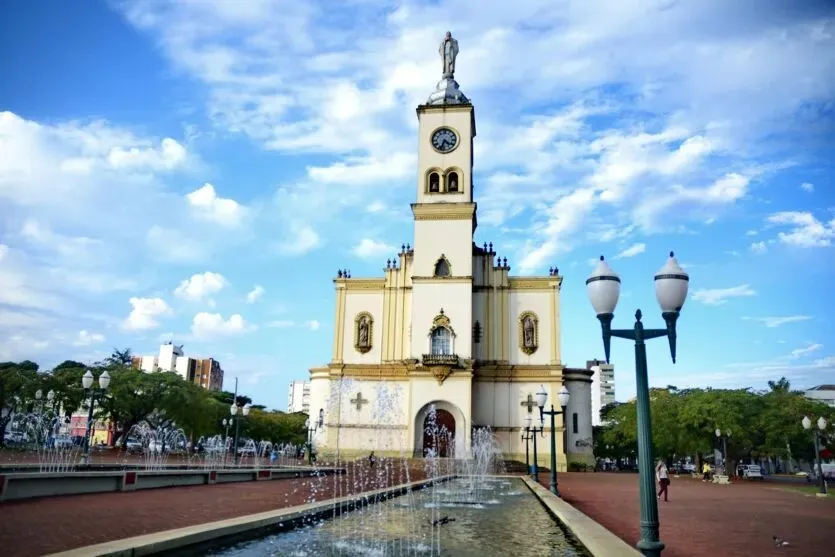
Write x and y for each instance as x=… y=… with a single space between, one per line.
x=18 y=383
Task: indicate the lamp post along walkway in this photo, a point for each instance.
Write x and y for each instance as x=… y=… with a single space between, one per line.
x=94 y=394
x=816 y=435
x=671 y=284
x=724 y=437
x=532 y=432
x=541 y=398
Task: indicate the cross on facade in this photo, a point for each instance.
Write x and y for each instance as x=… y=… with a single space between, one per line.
x=359 y=401
x=530 y=403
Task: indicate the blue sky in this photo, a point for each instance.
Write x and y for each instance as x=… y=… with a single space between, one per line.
x=202 y=169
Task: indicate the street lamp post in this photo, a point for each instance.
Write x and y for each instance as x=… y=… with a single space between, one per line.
x=313 y=427
x=526 y=438
x=87 y=383
x=238 y=413
x=671 y=284
x=532 y=431
x=724 y=439
x=541 y=398
x=816 y=434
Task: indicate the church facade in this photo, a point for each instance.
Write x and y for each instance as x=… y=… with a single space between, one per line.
x=447 y=332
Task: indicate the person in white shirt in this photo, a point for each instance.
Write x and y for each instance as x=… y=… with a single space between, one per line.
x=663 y=478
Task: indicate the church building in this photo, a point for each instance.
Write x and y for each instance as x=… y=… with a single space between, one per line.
x=447 y=331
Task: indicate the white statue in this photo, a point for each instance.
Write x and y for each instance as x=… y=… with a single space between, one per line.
x=448 y=51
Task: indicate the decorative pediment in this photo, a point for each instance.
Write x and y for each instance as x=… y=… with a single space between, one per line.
x=440 y=373
x=441 y=320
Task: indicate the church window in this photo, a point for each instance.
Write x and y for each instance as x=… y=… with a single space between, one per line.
x=574 y=423
x=442 y=267
x=441 y=342
x=434 y=182
x=477 y=332
x=452 y=182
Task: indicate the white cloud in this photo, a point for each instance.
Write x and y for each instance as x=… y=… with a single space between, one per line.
x=206 y=204
x=200 y=286
x=255 y=294
x=772 y=322
x=366 y=171
x=145 y=313
x=376 y=207
x=210 y=325
x=807 y=231
x=632 y=251
x=86 y=338
x=807 y=187
x=759 y=247
x=313 y=325
x=168 y=156
x=806 y=350
x=281 y=324
x=303 y=240
x=718 y=296
x=369 y=249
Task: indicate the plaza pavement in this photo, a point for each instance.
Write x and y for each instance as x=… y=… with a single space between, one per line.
x=699 y=520
x=705 y=519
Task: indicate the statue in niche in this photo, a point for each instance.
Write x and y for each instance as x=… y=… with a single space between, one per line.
x=449 y=52
x=528 y=327
x=362 y=338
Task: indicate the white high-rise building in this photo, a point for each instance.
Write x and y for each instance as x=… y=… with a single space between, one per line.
x=298 y=399
x=602 y=388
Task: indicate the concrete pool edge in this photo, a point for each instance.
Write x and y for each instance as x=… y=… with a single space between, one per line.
x=169 y=540
x=598 y=540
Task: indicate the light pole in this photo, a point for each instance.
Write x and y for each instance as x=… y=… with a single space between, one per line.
x=816 y=434
x=87 y=383
x=532 y=431
x=244 y=412
x=724 y=439
x=541 y=398
x=671 y=284
x=526 y=438
x=313 y=427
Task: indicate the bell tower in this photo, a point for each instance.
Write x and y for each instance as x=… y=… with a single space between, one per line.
x=444 y=211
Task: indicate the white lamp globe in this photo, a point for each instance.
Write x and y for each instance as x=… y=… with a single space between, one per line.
x=718 y=432
x=564 y=396
x=603 y=287
x=87 y=379
x=233 y=409
x=671 y=283
x=50 y=395
x=541 y=396
x=38 y=394
x=807 y=423
x=246 y=409
x=104 y=380
x=528 y=420
x=821 y=423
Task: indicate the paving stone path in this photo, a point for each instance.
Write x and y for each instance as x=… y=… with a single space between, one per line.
x=699 y=520
x=704 y=519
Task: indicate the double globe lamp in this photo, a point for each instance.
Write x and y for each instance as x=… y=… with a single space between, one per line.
x=671 y=284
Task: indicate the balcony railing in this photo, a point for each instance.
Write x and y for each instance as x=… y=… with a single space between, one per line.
x=440 y=359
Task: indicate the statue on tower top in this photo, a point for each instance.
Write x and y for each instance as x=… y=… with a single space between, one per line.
x=448 y=51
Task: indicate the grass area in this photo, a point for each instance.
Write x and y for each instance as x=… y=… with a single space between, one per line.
x=809 y=490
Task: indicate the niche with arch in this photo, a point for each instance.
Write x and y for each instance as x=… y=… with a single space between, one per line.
x=452 y=180
x=442 y=267
x=433 y=180
x=528 y=332
x=363 y=332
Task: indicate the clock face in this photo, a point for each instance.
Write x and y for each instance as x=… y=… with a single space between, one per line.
x=444 y=140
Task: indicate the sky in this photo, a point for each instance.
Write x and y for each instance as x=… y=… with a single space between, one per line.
x=200 y=170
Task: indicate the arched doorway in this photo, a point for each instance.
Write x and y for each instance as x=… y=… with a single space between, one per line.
x=439 y=433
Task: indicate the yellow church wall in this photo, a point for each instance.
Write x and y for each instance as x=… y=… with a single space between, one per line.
x=357 y=302
x=428 y=298
x=460 y=120
x=447 y=238
x=534 y=302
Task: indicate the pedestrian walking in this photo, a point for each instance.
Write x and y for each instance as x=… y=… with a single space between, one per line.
x=663 y=478
x=705 y=472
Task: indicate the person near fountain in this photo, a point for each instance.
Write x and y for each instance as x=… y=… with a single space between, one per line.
x=371 y=459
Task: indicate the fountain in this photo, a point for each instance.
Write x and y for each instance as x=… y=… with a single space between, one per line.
x=157 y=443
x=43 y=431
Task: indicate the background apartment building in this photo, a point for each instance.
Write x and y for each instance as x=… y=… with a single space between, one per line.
x=298 y=399
x=206 y=372
x=602 y=388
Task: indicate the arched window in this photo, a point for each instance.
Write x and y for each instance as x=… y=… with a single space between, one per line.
x=442 y=268
x=440 y=342
x=452 y=182
x=434 y=182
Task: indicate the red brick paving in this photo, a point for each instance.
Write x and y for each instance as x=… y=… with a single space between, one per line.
x=705 y=519
x=699 y=520
x=49 y=525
